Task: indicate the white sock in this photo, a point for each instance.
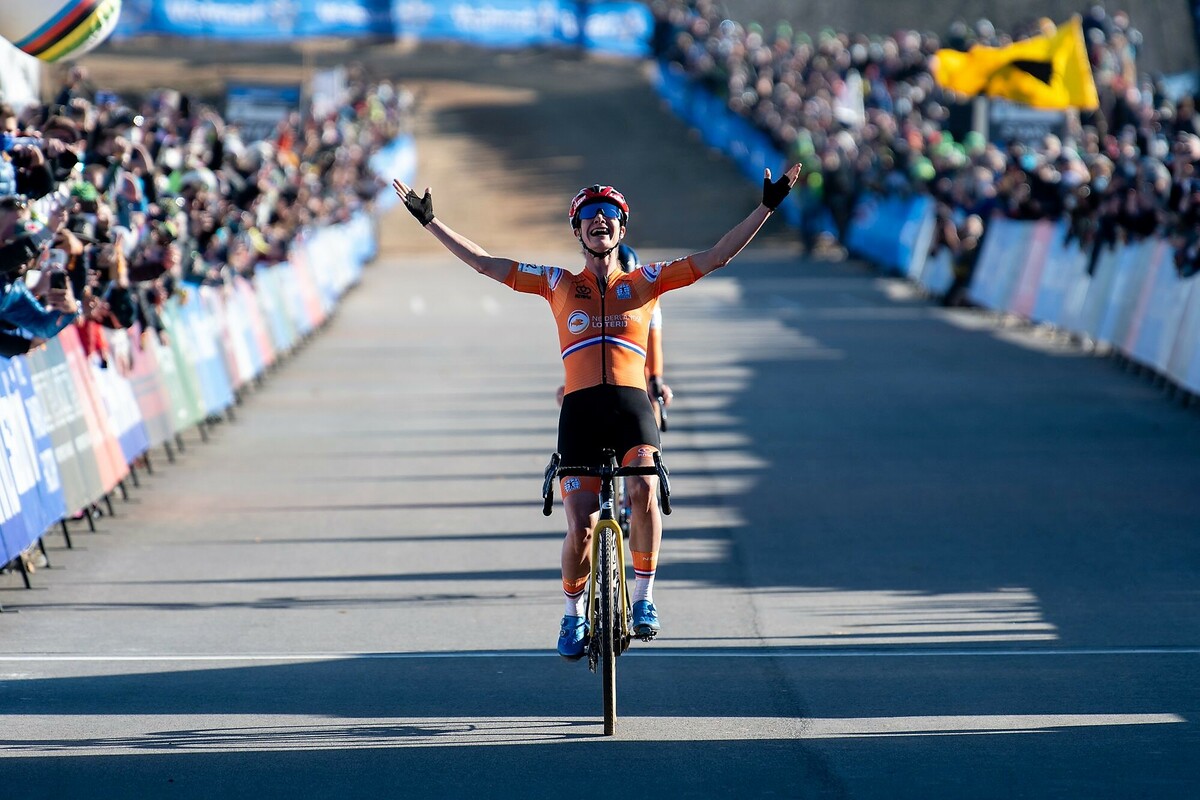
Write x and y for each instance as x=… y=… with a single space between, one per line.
x=643 y=589
x=575 y=605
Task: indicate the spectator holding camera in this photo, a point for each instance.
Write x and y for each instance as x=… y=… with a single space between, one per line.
x=24 y=318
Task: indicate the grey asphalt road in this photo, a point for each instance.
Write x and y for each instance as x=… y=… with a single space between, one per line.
x=913 y=555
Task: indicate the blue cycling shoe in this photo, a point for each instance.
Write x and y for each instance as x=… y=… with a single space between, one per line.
x=645 y=620
x=571 y=637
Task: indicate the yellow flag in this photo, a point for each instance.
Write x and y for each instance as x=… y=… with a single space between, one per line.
x=1049 y=71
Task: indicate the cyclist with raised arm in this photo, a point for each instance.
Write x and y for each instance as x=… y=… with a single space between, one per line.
x=603 y=318
x=656 y=387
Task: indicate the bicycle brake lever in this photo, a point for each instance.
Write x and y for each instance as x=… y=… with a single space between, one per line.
x=664 y=485
x=548 y=484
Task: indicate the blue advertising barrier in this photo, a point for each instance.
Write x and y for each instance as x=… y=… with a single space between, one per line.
x=751 y=149
x=893 y=232
x=621 y=27
x=20 y=501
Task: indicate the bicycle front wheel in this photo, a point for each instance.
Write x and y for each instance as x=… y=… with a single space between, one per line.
x=610 y=633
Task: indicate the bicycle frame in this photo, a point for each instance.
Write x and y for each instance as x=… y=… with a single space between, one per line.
x=608 y=520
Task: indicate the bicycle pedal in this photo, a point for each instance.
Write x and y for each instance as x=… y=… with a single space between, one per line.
x=646 y=637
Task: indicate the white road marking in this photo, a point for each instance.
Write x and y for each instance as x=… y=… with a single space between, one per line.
x=637 y=652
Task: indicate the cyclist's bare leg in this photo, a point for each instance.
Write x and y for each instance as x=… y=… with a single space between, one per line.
x=582 y=509
x=645 y=529
x=645 y=538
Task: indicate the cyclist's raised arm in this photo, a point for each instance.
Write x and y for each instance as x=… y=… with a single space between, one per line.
x=732 y=243
x=459 y=246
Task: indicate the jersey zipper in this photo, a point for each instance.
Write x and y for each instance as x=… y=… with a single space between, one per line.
x=603 y=333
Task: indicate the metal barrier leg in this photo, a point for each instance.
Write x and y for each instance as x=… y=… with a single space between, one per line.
x=134 y=476
x=66 y=534
x=108 y=505
x=45 y=555
x=20 y=560
x=170 y=452
x=87 y=512
x=124 y=491
x=147 y=462
x=203 y=426
x=179 y=443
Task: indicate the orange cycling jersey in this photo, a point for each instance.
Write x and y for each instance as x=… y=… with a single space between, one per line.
x=603 y=330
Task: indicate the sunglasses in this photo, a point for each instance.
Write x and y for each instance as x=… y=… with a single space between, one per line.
x=607 y=209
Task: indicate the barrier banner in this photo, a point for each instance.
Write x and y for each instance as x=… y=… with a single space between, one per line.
x=77 y=464
x=750 y=149
x=199 y=341
x=1065 y=265
x=233 y=345
x=109 y=458
x=1126 y=290
x=307 y=286
x=274 y=306
x=893 y=232
x=49 y=481
x=254 y=20
x=150 y=389
x=494 y=23
x=1185 y=349
x=1095 y=304
x=181 y=406
x=185 y=367
x=21 y=514
x=1025 y=291
x=1147 y=335
x=1173 y=312
x=618 y=28
x=1000 y=257
x=937 y=272
x=120 y=405
x=262 y=353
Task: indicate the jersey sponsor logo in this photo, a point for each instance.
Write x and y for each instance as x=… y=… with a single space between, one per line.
x=652 y=271
x=571 y=484
x=624 y=291
x=645 y=452
x=578 y=322
x=583 y=291
x=532 y=269
x=611 y=321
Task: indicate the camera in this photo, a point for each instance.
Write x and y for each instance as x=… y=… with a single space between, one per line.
x=8 y=142
x=54 y=259
x=58 y=279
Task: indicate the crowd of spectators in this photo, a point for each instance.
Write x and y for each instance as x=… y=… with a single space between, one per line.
x=864 y=114
x=108 y=206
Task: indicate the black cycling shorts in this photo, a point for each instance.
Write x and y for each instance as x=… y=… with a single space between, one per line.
x=619 y=418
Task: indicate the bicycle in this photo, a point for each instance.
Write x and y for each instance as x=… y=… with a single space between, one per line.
x=608 y=607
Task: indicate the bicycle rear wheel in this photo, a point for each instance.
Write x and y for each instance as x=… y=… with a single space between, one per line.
x=610 y=641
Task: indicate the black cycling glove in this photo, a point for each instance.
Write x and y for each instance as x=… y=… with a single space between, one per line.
x=419 y=207
x=775 y=191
